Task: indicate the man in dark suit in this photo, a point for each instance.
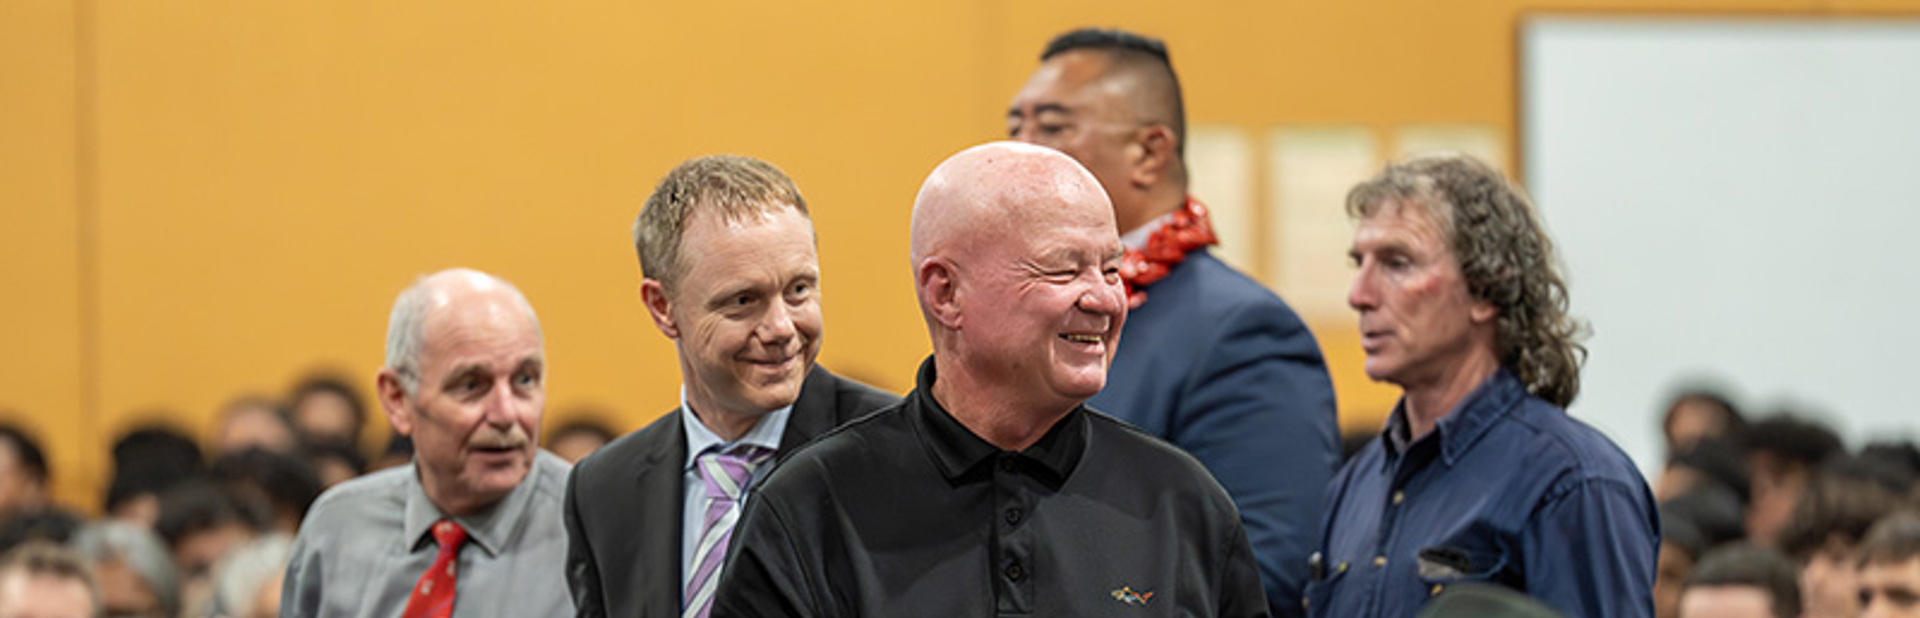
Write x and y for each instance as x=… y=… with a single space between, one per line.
x=1210 y=359
x=732 y=277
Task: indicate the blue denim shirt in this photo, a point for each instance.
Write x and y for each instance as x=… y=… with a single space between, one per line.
x=1507 y=489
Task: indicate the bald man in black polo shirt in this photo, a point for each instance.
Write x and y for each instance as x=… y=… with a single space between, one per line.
x=991 y=489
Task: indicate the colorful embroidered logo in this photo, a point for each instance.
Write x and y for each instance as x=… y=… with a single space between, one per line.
x=1126 y=595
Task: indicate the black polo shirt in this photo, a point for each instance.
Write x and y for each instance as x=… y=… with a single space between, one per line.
x=907 y=513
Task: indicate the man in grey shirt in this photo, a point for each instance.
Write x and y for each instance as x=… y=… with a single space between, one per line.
x=472 y=527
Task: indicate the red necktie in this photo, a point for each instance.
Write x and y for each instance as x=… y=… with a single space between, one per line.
x=433 y=596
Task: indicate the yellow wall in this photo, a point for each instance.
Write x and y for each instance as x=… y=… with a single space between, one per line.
x=41 y=248
x=206 y=198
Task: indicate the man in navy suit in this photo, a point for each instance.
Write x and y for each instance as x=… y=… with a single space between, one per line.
x=731 y=276
x=1209 y=359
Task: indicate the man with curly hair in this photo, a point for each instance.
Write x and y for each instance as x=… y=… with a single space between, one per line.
x=1480 y=475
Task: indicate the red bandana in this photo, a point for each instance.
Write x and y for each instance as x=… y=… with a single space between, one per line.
x=1189 y=228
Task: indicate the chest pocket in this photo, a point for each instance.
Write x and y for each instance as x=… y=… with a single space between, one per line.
x=1445 y=565
x=1319 y=588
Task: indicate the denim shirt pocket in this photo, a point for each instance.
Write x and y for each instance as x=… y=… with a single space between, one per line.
x=1443 y=566
x=1319 y=588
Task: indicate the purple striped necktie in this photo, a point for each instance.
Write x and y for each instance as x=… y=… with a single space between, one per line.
x=725 y=475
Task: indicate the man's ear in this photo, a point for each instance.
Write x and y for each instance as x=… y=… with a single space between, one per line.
x=393 y=399
x=1151 y=155
x=653 y=294
x=939 y=292
x=1483 y=312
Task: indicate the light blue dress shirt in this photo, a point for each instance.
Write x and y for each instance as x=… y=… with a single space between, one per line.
x=765 y=434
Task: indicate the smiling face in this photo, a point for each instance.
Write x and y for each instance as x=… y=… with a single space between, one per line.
x=745 y=314
x=481 y=391
x=1417 y=320
x=1044 y=311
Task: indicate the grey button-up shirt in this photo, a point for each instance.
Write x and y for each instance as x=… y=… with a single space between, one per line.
x=364 y=545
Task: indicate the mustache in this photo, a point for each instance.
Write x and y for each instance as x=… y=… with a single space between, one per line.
x=514 y=437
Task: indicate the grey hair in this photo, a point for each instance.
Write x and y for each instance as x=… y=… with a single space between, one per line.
x=238 y=577
x=38 y=558
x=141 y=550
x=406 y=325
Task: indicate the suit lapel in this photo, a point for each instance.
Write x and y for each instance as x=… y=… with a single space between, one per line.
x=660 y=489
x=814 y=412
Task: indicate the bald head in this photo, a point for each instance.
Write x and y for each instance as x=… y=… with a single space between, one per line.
x=407 y=326
x=1017 y=269
x=988 y=190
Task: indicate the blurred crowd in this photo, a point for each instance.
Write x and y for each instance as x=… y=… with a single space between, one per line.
x=1773 y=510
x=196 y=529
x=1776 y=506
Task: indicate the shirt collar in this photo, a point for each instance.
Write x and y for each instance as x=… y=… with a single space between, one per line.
x=1137 y=239
x=491 y=528
x=1465 y=424
x=765 y=433
x=956 y=450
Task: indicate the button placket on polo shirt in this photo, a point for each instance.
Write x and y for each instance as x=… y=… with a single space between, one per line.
x=1013 y=542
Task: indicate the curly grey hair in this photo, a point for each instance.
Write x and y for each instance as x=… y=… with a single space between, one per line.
x=1505 y=257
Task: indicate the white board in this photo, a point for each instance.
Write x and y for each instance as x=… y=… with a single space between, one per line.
x=1736 y=198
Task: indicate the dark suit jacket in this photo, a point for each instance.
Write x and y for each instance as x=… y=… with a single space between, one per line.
x=623 y=505
x=1221 y=367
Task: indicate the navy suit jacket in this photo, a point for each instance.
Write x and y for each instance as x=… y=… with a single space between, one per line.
x=1221 y=367
x=623 y=503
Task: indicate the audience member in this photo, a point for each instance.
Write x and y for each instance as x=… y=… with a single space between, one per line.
x=1712 y=508
x=136 y=573
x=44 y=580
x=465 y=377
x=1480 y=473
x=1214 y=362
x=575 y=439
x=1834 y=512
x=246 y=583
x=1890 y=568
x=1681 y=545
x=1741 y=581
x=1883 y=467
x=328 y=409
x=334 y=463
x=146 y=461
x=275 y=488
x=726 y=251
x=992 y=489
x=253 y=422
x=1710 y=460
x=51 y=524
x=1782 y=453
x=23 y=472
x=1697 y=414
x=200 y=524
x=1902 y=455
